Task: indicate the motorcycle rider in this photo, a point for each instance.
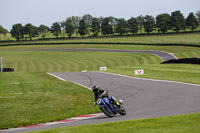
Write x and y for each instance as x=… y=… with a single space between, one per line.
x=98 y=91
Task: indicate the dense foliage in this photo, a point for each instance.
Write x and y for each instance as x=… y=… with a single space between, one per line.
x=3 y=30
x=91 y=26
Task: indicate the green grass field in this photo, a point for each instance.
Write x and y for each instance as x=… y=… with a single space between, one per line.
x=31 y=98
x=179 y=51
x=176 y=72
x=70 y=61
x=192 y=38
x=188 y=123
x=28 y=95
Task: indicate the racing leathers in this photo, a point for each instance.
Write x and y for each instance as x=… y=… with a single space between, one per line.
x=104 y=93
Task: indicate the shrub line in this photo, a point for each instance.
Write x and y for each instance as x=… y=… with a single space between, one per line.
x=113 y=43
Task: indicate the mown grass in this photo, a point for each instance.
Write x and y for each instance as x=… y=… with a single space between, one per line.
x=193 y=38
x=175 y=72
x=188 y=123
x=71 y=61
x=31 y=98
x=179 y=51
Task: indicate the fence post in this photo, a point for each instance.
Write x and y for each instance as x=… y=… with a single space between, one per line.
x=1 y=64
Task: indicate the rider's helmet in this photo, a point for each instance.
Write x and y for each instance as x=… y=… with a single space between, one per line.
x=95 y=88
x=121 y=101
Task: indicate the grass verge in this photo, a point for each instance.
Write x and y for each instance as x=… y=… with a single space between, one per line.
x=179 y=51
x=71 y=61
x=31 y=98
x=189 y=73
x=188 y=123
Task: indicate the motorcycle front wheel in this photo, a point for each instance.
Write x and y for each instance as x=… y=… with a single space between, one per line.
x=107 y=111
x=122 y=111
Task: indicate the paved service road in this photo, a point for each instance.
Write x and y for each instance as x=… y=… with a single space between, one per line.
x=143 y=98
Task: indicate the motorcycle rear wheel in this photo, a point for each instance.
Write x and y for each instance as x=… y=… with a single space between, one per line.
x=107 y=112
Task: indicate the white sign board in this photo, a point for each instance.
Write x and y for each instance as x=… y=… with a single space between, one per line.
x=84 y=71
x=139 y=72
x=103 y=68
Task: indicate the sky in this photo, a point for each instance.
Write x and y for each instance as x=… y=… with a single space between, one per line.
x=46 y=12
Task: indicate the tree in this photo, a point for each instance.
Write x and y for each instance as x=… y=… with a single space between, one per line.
x=56 y=29
x=140 y=21
x=3 y=31
x=62 y=26
x=198 y=15
x=107 y=27
x=191 y=21
x=69 y=29
x=122 y=26
x=163 y=22
x=43 y=30
x=75 y=23
x=88 y=22
x=82 y=28
x=30 y=30
x=17 y=31
x=133 y=25
x=113 y=22
x=95 y=27
x=100 y=22
x=149 y=23
x=178 y=21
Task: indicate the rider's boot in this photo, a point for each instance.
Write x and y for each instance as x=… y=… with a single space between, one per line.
x=115 y=102
x=118 y=105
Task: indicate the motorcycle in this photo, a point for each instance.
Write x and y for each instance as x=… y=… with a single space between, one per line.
x=109 y=108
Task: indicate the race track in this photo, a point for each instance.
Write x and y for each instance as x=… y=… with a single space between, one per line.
x=143 y=98
x=163 y=55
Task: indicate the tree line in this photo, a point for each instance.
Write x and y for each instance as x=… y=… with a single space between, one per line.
x=92 y=26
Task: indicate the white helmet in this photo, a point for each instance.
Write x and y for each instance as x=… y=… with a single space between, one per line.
x=121 y=101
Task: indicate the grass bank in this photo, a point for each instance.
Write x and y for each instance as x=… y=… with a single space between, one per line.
x=179 y=51
x=190 y=38
x=71 y=61
x=31 y=98
x=189 y=73
x=188 y=123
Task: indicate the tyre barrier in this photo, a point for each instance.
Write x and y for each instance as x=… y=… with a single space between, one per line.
x=8 y=69
x=184 y=60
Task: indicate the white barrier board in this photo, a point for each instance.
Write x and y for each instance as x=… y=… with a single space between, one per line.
x=103 y=68
x=139 y=72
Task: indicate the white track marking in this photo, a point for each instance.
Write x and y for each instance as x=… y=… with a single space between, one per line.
x=152 y=79
x=66 y=80
x=173 y=55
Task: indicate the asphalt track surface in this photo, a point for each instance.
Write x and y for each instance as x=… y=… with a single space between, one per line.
x=163 y=55
x=143 y=98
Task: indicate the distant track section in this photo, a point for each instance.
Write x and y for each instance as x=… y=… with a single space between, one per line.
x=163 y=55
